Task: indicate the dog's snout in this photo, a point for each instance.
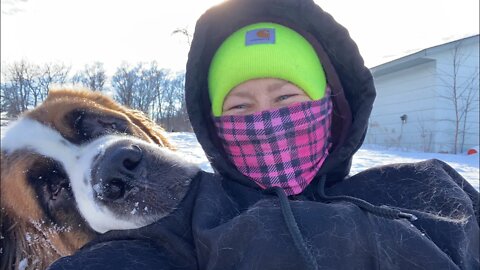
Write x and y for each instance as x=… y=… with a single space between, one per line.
x=114 y=189
x=129 y=157
x=120 y=168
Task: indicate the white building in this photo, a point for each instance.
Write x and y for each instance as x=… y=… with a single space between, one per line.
x=415 y=109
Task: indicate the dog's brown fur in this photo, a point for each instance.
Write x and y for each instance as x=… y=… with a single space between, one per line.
x=26 y=232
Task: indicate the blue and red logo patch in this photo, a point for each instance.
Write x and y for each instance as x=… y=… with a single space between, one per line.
x=260 y=36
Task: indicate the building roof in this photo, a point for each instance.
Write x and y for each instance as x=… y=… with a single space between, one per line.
x=419 y=57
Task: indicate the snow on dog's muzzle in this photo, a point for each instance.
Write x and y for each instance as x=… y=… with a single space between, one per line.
x=130 y=183
x=119 y=171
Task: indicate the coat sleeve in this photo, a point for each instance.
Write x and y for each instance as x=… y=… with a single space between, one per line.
x=339 y=235
x=115 y=255
x=444 y=202
x=231 y=233
x=164 y=244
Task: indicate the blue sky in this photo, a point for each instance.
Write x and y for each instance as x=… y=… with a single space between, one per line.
x=79 y=32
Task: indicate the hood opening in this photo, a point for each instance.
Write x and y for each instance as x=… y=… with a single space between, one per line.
x=351 y=82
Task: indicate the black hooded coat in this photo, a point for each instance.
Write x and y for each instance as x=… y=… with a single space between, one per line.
x=364 y=221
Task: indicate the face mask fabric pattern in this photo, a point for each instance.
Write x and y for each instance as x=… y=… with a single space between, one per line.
x=282 y=147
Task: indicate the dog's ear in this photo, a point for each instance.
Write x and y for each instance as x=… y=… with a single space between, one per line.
x=153 y=130
x=8 y=244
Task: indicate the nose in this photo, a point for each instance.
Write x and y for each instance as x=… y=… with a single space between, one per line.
x=118 y=169
x=263 y=104
x=128 y=157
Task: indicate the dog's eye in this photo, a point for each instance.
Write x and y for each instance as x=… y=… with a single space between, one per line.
x=112 y=125
x=53 y=181
x=57 y=184
x=89 y=125
x=51 y=185
x=77 y=123
x=49 y=179
x=55 y=190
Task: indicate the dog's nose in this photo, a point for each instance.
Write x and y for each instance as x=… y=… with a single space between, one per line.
x=119 y=168
x=129 y=157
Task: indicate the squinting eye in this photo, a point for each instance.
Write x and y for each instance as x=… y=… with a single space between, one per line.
x=56 y=188
x=78 y=120
x=238 y=107
x=284 y=97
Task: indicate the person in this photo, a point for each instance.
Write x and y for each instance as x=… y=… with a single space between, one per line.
x=279 y=98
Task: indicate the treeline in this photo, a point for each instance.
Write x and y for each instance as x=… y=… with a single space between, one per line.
x=156 y=91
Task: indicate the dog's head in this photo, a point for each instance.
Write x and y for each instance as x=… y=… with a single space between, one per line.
x=80 y=164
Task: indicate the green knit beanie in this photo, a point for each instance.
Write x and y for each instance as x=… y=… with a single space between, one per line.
x=264 y=50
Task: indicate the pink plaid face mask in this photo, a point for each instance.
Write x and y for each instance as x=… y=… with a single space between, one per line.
x=283 y=147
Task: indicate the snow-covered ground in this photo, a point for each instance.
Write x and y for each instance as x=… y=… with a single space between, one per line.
x=367 y=157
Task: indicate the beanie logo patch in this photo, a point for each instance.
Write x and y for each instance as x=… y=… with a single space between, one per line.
x=260 y=36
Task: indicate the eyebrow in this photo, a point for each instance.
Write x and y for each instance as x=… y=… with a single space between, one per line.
x=239 y=94
x=270 y=89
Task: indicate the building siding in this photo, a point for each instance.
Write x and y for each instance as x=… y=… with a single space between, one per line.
x=467 y=58
x=406 y=92
x=419 y=86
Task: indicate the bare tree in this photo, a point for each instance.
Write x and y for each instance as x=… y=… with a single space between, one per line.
x=49 y=74
x=425 y=133
x=157 y=92
x=469 y=96
x=139 y=87
x=463 y=94
x=25 y=84
x=152 y=80
x=163 y=100
x=16 y=88
x=92 y=77
x=183 y=31
x=125 y=81
x=180 y=119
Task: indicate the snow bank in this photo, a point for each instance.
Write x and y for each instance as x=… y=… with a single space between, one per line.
x=367 y=157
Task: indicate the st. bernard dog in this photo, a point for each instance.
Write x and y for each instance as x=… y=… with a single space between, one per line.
x=79 y=165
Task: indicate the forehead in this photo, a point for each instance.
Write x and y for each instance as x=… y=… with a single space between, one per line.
x=263 y=87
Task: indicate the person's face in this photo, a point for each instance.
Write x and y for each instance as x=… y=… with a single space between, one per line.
x=262 y=94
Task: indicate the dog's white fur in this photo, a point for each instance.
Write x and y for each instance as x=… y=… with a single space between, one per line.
x=77 y=160
x=43 y=219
